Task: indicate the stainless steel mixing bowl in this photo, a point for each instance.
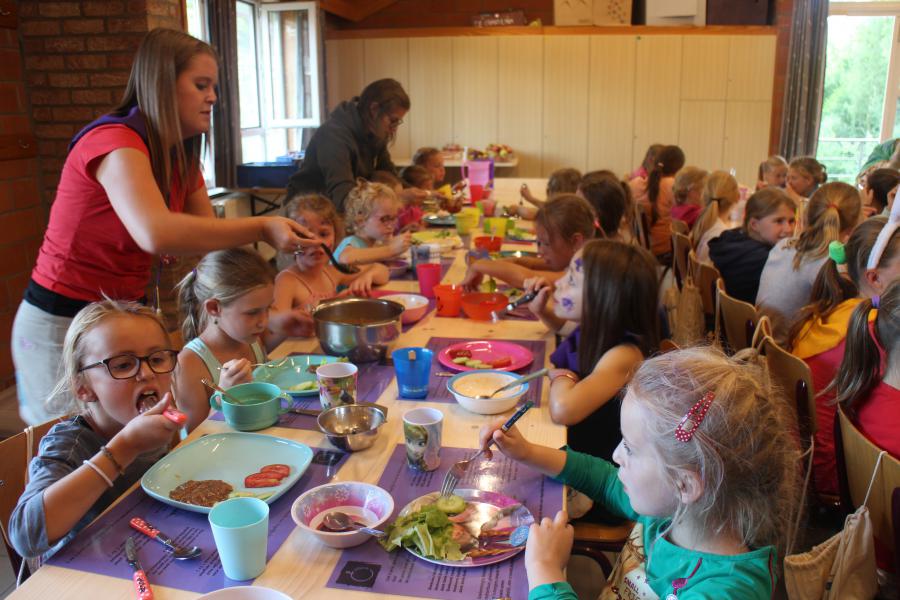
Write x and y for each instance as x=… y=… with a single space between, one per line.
x=362 y=329
x=351 y=427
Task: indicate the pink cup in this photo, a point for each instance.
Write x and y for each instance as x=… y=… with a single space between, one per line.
x=476 y=191
x=489 y=206
x=429 y=275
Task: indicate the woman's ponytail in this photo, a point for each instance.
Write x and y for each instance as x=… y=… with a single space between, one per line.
x=189 y=306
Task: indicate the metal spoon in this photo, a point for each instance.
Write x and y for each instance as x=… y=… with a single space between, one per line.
x=343 y=268
x=512 y=384
x=213 y=386
x=338 y=521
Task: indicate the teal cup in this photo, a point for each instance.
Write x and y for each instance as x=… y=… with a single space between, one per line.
x=258 y=405
x=240 y=527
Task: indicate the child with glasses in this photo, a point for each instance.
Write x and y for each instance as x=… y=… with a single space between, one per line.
x=371 y=212
x=117 y=364
x=707 y=470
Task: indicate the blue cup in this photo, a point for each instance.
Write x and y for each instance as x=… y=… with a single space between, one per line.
x=258 y=405
x=413 y=366
x=240 y=527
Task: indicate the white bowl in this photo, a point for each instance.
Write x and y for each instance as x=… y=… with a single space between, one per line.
x=245 y=592
x=415 y=306
x=368 y=503
x=464 y=386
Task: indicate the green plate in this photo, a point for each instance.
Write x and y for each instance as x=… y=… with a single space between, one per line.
x=293 y=372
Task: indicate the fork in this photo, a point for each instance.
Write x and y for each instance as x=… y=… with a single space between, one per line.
x=270 y=364
x=459 y=468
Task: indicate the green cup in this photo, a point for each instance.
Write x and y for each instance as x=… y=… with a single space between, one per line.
x=258 y=405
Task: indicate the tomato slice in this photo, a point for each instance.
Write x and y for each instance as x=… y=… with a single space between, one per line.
x=460 y=352
x=278 y=470
x=260 y=480
x=503 y=361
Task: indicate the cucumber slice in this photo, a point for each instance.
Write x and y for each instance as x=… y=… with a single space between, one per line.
x=461 y=360
x=472 y=363
x=451 y=505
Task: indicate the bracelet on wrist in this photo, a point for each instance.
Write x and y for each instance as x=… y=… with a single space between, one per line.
x=99 y=472
x=567 y=375
x=112 y=459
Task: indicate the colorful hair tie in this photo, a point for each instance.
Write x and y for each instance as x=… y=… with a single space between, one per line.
x=884 y=237
x=876 y=300
x=690 y=422
x=837 y=253
x=832 y=205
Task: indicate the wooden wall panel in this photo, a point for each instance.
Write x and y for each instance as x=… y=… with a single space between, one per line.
x=475 y=91
x=565 y=103
x=611 y=103
x=390 y=58
x=520 y=113
x=750 y=68
x=746 y=138
x=430 y=81
x=344 y=75
x=657 y=92
x=704 y=67
x=701 y=132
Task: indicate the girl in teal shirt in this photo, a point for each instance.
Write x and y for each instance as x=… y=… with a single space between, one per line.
x=707 y=471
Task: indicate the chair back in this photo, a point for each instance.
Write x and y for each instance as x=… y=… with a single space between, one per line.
x=679 y=226
x=857 y=459
x=738 y=318
x=681 y=247
x=667 y=345
x=705 y=276
x=15 y=454
x=793 y=376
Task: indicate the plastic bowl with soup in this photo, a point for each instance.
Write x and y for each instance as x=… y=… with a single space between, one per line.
x=467 y=385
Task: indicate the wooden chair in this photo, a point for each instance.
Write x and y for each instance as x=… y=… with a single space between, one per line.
x=681 y=248
x=792 y=375
x=16 y=453
x=737 y=318
x=667 y=345
x=679 y=226
x=705 y=277
x=593 y=539
x=856 y=460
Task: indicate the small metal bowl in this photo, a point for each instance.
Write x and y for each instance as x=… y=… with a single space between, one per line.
x=362 y=329
x=351 y=427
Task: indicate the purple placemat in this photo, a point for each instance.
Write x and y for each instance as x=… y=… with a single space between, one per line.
x=410 y=275
x=372 y=380
x=100 y=548
x=370 y=568
x=437 y=386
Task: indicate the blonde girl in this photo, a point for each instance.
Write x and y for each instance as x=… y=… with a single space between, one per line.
x=720 y=195
x=707 y=470
x=224 y=303
x=793 y=264
x=117 y=360
x=688 y=191
x=740 y=254
x=371 y=214
x=561 y=181
x=311 y=278
x=772 y=171
x=805 y=175
x=432 y=160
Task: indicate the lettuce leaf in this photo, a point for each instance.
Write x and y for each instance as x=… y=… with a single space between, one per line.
x=428 y=531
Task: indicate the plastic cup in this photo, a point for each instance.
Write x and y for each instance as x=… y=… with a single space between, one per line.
x=495 y=226
x=476 y=191
x=422 y=433
x=429 y=275
x=413 y=368
x=240 y=528
x=464 y=223
x=337 y=384
x=449 y=299
x=488 y=206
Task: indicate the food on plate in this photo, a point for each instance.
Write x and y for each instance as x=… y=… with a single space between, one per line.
x=483 y=384
x=443 y=214
x=304 y=386
x=267 y=476
x=312 y=368
x=282 y=470
x=501 y=151
x=460 y=353
x=204 y=492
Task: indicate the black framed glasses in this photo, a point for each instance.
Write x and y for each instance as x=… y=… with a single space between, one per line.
x=126 y=366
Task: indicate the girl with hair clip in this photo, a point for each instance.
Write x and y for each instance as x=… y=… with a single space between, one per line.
x=647 y=164
x=561 y=181
x=772 y=171
x=834 y=210
x=372 y=212
x=224 y=303
x=858 y=270
x=879 y=184
x=562 y=226
x=720 y=194
x=311 y=278
x=117 y=361
x=740 y=254
x=707 y=470
x=654 y=195
x=606 y=195
x=610 y=291
x=688 y=192
x=131 y=188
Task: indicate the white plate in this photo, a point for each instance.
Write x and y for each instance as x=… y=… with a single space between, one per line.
x=229 y=457
x=245 y=592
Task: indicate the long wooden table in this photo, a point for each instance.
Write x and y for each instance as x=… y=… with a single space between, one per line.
x=302 y=565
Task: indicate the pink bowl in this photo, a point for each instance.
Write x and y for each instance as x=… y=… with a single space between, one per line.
x=367 y=503
x=415 y=306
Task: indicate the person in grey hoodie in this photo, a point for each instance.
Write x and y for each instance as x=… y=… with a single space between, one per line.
x=353 y=143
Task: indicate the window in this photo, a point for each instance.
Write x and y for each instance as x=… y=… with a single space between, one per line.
x=861 y=105
x=197 y=25
x=278 y=77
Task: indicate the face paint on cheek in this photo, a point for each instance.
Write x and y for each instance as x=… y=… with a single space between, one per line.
x=568 y=304
x=579 y=264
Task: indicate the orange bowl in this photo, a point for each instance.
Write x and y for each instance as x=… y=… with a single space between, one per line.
x=479 y=306
x=489 y=243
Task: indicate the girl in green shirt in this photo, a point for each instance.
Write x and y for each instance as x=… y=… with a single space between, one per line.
x=707 y=470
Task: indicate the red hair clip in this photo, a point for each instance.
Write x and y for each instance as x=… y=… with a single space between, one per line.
x=694 y=417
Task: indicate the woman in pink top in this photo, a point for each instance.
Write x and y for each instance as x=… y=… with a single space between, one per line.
x=131 y=188
x=655 y=197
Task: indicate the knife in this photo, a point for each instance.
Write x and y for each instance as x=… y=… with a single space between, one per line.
x=141 y=585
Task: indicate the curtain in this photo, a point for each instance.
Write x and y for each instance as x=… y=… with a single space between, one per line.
x=226 y=112
x=805 y=79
